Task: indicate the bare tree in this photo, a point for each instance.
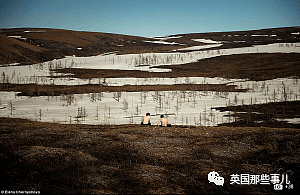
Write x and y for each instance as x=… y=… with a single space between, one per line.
x=117 y=95
x=3 y=77
x=40 y=114
x=11 y=107
x=70 y=99
x=235 y=99
x=97 y=115
x=92 y=97
x=109 y=111
x=125 y=105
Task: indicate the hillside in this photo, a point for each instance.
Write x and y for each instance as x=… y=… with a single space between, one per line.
x=16 y=51
x=33 y=45
x=56 y=43
x=128 y=159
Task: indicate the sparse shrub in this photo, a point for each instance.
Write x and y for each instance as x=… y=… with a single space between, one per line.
x=125 y=105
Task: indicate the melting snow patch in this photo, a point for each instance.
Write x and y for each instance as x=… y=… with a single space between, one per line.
x=293 y=120
x=175 y=37
x=161 y=42
x=18 y=37
x=201 y=47
x=290 y=120
x=29 y=31
x=297 y=33
x=13 y=64
x=259 y=35
x=165 y=38
x=205 y=41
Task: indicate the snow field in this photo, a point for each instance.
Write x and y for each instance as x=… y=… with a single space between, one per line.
x=39 y=73
x=184 y=107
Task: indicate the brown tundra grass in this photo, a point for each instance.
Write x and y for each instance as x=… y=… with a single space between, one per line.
x=126 y=159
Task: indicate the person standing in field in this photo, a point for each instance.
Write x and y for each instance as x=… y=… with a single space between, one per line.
x=164 y=122
x=146 y=119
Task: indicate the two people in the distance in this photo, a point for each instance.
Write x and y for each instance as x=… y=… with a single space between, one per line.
x=163 y=122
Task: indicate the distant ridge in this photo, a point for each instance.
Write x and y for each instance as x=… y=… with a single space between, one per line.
x=36 y=45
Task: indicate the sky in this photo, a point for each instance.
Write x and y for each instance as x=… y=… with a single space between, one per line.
x=149 y=18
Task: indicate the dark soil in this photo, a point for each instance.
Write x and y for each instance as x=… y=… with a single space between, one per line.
x=263 y=115
x=256 y=67
x=56 y=90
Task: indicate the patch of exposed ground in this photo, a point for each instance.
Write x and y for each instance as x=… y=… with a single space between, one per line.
x=257 y=67
x=16 y=51
x=238 y=39
x=55 y=90
x=126 y=159
x=264 y=115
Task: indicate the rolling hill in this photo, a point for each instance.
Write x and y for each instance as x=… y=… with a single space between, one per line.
x=35 y=45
